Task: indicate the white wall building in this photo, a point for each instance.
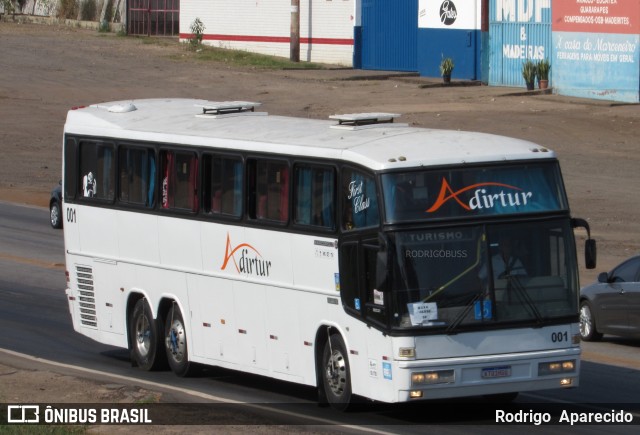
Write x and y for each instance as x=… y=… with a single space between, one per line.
x=264 y=26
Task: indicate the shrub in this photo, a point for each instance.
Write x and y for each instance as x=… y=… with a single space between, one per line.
x=88 y=10
x=197 y=30
x=68 y=9
x=446 y=66
x=542 y=69
x=529 y=71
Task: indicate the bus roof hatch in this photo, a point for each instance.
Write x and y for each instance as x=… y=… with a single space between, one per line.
x=225 y=107
x=363 y=119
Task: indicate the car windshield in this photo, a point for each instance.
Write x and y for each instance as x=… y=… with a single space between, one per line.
x=473 y=276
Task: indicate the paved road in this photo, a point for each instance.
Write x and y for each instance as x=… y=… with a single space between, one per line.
x=34 y=319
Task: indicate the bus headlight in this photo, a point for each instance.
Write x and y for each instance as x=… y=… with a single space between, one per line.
x=435 y=377
x=556 y=367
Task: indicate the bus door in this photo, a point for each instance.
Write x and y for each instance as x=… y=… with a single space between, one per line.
x=363 y=280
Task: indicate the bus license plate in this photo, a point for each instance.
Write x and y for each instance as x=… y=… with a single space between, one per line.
x=496 y=372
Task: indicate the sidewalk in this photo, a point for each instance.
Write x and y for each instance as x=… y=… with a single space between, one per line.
x=350 y=74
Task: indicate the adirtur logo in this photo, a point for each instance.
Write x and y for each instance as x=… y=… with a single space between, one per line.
x=481 y=199
x=246 y=259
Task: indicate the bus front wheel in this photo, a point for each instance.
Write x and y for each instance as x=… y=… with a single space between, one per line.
x=336 y=376
x=145 y=336
x=175 y=338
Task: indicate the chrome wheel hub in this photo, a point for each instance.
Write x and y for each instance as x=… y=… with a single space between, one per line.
x=336 y=373
x=176 y=342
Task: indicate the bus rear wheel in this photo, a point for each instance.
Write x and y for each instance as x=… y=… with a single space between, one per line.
x=336 y=377
x=175 y=338
x=145 y=337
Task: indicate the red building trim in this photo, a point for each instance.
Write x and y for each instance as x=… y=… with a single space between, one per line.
x=272 y=39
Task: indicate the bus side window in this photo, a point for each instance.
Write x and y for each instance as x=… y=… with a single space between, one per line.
x=97 y=170
x=222 y=185
x=269 y=190
x=137 y=167
x=359 y=200
x=179 y=180
x=314 y=196
x=70 y=169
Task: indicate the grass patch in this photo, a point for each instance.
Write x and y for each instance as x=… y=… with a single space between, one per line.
x=246 y=59
x=240 y=58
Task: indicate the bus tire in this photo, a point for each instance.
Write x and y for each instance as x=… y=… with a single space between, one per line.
x=146 y=338
x=175 y=338
x=336 y=376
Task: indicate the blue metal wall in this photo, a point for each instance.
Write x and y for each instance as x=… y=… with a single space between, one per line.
x=388 y=36
x=450 y=29
x=518 y=30
x=463 y=46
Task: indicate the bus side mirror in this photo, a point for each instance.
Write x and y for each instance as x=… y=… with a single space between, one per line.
x=590 y=253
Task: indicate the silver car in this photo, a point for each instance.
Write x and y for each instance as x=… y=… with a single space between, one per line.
x=55 y=207
x=612 y=304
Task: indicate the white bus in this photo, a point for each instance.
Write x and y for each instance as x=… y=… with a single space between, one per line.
x=357 y=254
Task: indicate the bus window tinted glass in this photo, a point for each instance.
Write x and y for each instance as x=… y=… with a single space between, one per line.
x=270 y=190
x=480 y=191
x=314 y=203
x=137 y=176
x=223 y=185
x=97 y=170
x=359 y=200
x=70 y=169
x=179 y=181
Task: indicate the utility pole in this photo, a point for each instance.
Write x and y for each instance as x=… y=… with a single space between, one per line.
x=294 y=51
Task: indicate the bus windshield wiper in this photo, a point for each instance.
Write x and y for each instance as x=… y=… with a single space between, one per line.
x=462 y=314
x=513 y=282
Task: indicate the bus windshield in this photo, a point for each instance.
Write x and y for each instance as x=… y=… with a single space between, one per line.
x=474 y=276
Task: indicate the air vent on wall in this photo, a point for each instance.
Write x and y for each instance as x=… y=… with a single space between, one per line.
x=86 y=296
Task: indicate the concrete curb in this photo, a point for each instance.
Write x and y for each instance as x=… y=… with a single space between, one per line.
x=34 y=19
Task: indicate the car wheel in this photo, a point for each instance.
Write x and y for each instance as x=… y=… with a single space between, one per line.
x=588 y=330
x=55 y=215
